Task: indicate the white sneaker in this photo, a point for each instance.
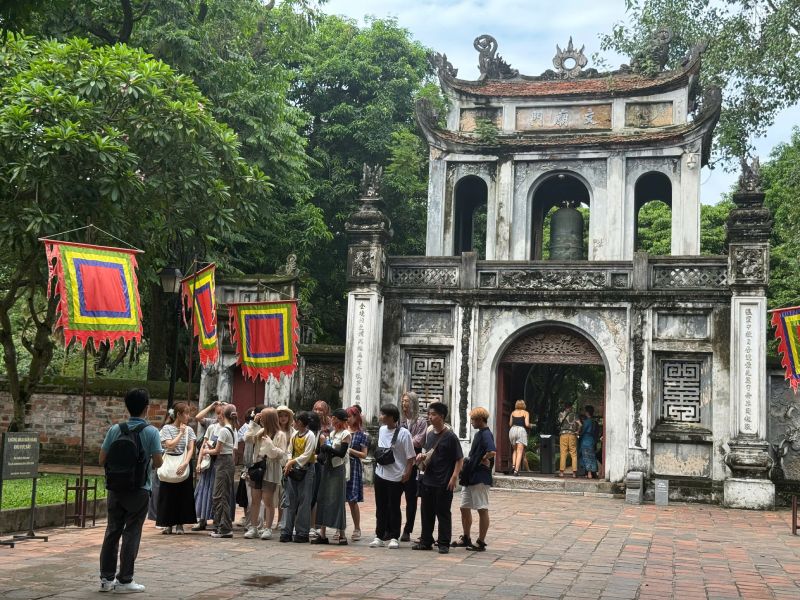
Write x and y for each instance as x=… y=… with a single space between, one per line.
x=393 y=544
x=266 y=534
x=377 y=543
x=107 y=585
x=128 y=588
x=312 y=533
x=251 y=533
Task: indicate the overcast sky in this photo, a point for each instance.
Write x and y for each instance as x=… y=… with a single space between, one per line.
x=527 y=32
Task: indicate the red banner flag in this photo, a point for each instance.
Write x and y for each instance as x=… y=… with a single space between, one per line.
x=786 y=322
x=199 y=295
x=265 y=335
x=98 y=292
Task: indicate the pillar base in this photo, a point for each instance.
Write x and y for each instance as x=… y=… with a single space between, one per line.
x=754 y=494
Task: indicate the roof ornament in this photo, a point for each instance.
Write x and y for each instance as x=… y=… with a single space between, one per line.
x=569 y=62
x=444 y=68
x=750 y=179
x=654 y=58
x=491 y=64
x=371 y=180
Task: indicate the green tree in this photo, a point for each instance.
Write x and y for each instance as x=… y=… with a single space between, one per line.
x=112 y=137
x=782 y=186
x=751 y=54
x=359 y=85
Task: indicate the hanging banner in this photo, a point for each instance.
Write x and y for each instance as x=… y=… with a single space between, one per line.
x=200 y=287
x=265 y=336
x=98 y=292
x=786 y=322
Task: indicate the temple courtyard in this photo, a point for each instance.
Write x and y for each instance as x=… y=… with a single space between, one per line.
x=541 y=545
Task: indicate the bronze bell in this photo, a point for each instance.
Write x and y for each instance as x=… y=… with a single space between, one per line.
x=566 y=234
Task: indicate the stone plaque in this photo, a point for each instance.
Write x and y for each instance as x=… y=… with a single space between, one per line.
x=579 y=116
x=748 y=362
x=676 y=326
x=428 y=321
x=20 y=455
x=681 y=459
x=648 y=114
x=470 y=117
x=662 y=492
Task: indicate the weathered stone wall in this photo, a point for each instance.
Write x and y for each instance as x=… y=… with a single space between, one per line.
x=55 y=413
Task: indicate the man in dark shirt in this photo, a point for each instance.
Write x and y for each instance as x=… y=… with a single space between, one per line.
x=441 y=461
x=476 y=479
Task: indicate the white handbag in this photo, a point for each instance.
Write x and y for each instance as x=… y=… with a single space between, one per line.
x=168 y=471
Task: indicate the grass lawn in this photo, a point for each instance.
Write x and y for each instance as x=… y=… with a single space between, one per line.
x=49 y=490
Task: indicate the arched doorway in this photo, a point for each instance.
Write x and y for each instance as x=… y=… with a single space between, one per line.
x=545 y=366
x=557 y=190
x=471 y=200
x=653 y=212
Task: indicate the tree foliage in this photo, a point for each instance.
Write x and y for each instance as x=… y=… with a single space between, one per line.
x=751 y=53
x=107 y=136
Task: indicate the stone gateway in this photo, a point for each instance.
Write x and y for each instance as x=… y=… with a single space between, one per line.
x=533 y=272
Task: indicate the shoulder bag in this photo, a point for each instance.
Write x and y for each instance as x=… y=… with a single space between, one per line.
x=429 y=454
x=168 y=471
x=385 y=456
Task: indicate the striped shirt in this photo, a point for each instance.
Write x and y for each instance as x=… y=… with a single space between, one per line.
x=170 y=432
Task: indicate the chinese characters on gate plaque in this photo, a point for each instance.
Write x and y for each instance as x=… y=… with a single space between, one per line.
x=747 y=421
x=361 y=335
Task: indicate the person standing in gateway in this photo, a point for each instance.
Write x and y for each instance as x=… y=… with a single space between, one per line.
x=126 y=453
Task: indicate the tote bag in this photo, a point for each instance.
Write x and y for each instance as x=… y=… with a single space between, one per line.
x=168 y=471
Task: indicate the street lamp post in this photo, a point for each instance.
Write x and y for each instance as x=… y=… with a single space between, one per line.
x=171 y=284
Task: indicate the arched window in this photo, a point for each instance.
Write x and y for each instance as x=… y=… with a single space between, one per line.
x=653 y=206
x=471 y=197
x=558 y=190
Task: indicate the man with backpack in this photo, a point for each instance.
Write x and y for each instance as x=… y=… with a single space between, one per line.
x=126 y=454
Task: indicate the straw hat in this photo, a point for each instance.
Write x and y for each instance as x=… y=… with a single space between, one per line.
x=284 y=408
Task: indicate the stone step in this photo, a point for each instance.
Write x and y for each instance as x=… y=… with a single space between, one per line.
x=557 y=485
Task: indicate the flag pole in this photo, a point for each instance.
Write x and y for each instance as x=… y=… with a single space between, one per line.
x=191 y=333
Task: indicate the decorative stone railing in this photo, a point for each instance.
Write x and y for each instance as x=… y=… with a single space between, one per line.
x=668 y=273
x=662 y=273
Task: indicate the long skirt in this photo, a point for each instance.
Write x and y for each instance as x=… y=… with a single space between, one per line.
x=203 y=494
x=330 y=499
x=589 y=459
x=176 y=503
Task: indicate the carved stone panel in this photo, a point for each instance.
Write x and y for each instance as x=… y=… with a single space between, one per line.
x=648 y=114
x=423 y=277
x=552 y=346
x=419 y=320
x=470 y=117
x=681 y=326
x=672 y=277
x=426 y=374
x=680 y=389
x=551 y=279
x=783 y=428
x=364 y=263
x=578 y=116
x=749 y=264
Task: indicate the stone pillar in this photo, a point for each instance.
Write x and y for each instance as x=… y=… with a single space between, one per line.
x=437 y=188
x=748 y=459
x=368 y=231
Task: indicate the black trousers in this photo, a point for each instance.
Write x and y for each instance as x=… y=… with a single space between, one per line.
x=410 y=493
x=435 y=505
x=126 y=513
x=387 y=508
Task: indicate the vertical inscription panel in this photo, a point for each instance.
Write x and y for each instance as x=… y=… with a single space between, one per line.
x=749 y=385
x=680 y=385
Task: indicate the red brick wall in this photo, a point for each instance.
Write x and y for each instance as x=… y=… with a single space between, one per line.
x=57 y=419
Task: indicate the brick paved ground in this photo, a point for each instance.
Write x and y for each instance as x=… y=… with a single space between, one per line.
x=540 y=546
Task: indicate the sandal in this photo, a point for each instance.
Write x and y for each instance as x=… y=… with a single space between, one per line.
x=463 y=542
x=320 y=540
x=478 y=546
x=356 y=535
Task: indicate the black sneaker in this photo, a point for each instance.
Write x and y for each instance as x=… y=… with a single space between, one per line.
x=222 y=534
x=285 y=538
x=300 y=539
x=320 y=540
x=444 y=549
x=421 y=546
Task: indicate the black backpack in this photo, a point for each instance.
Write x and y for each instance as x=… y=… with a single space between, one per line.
x=126 y=462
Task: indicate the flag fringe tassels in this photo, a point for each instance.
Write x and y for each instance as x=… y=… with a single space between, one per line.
x=786 y=322
x=265 y=335
x=98 y=292
x=201 y=287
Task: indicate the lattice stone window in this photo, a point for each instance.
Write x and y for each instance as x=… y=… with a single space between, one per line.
x=427 y=376
x=681 y=387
